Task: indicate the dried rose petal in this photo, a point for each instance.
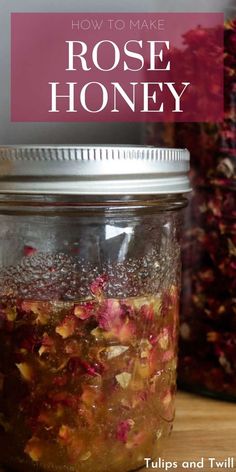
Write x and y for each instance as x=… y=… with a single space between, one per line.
x=85 y=310
x=145 y=348
x=125 y=333
x=29 y=251
x=123 y=428
x=26 y=371
x=31 y=306
x=47 y=345
x=115 y=351
x=42 y=319
x=111 y=315
x=66 y=434
x=168 y=355
x=92 y=369
x=147 y=312
x=67 y=327
x=41 y=310
x=123 y=379
x=98 y=333
x=113 y=318
x=34 y=448
x=164 y=339
x=48 y=417
x=11 y=313
x=77 y=365
x=98 y=286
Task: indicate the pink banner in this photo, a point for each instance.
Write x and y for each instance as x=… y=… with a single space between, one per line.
x=69 y=67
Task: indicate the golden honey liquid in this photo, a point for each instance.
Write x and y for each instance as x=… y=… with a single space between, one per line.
x=86 y=386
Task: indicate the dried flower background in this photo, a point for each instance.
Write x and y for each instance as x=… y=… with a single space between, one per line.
x=208 y=314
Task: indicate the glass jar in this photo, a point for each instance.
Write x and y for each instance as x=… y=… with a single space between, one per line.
x=207 y=355
x=207 y=361
x=89 y=289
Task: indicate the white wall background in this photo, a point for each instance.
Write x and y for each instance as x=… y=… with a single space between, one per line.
x=61 y=133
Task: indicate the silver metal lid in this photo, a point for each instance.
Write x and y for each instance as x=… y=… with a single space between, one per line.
x=93 y=170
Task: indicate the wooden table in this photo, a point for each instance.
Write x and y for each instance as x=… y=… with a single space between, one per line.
x=203 y=428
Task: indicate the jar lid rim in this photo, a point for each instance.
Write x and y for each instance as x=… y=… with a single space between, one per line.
x=93 y=169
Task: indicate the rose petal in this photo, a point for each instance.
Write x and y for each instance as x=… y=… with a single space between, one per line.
x=26 y=371
x=123 y=379
x=34 y=449
x=123 y=428
x=115 y=351
x=29 y=251
x=67 y=327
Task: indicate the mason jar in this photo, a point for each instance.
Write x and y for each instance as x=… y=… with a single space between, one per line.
x=89 y=290
x=207 y=353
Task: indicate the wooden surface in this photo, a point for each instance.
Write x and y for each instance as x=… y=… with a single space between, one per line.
x=203 y=428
